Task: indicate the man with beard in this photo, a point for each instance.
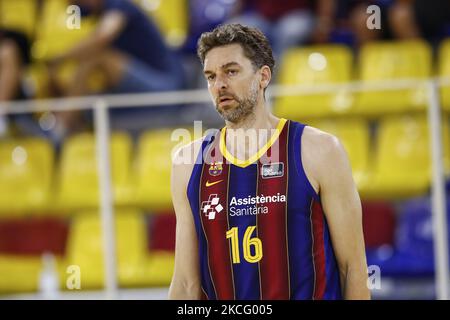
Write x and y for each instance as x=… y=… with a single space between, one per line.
x=247 y=224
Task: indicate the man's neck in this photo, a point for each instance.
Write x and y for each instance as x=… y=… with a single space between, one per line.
x=261 y=118
x=245 y=138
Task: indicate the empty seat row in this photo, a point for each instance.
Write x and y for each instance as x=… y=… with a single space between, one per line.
x=389 y=160
x=377 y=63
x=31 y=180
x=392 y=159
x=144 y=251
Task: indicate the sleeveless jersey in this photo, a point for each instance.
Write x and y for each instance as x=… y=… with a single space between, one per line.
x=260 y=227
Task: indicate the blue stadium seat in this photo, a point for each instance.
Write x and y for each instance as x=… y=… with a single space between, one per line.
x=412 y=255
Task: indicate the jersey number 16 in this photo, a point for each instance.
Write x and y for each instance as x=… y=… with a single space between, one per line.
x=248 y=242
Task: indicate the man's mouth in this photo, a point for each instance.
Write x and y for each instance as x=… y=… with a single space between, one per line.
x=225 y=100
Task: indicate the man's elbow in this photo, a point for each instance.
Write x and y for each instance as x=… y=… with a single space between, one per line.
x=354 y=281
x=184 y=290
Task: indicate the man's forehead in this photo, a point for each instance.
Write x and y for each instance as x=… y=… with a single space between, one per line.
x=219 y=57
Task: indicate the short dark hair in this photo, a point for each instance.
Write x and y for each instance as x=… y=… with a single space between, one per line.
x=254 y=43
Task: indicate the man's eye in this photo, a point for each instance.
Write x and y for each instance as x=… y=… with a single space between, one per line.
x=210 y=77
x=232 y=72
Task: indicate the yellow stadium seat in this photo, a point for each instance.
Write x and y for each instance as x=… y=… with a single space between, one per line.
x=171 y=16
x=159 y=268
x=26 y=175
x=154 y=161
x=354 y=136
x=78 y=177
x=19 y=273
x=85 y=248
x=315 y=65
x=444 y=71
x=23 y=273
x=19 y=15
x=53 y=37
x=402 y=164
x=383 y=61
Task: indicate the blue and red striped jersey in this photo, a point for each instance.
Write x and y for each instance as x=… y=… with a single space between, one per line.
x=260 y=228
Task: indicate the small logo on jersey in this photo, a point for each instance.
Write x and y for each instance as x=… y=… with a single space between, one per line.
x=272 y=170
x=209 y=184
x=211 y=207
x=215 y=169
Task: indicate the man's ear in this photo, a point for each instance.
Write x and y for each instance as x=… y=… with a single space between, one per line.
x=266 y=75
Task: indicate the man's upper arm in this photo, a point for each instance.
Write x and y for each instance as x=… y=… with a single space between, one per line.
x=110 y=26
x=186 y=279
x=341 y=203
x=108 y=29
x=342 y=208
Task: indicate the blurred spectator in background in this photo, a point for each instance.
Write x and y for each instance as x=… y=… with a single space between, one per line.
x=126 y=47
x=286 y=23
x=325 y=20
x=420 y=18
x=346 y=21
x=14 y=56
x=400 y=19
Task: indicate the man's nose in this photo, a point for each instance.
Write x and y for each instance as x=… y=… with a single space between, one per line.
x=221 y=83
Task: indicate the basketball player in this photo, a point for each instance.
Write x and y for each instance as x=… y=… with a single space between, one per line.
x=250 y=223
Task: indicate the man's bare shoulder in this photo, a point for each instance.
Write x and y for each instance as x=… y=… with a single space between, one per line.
x=187 y=155
x=322 y=152
x=320 y=142
x=183 y=161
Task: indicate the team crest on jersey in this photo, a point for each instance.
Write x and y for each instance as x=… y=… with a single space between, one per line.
x=215 y=168
x=272 y=170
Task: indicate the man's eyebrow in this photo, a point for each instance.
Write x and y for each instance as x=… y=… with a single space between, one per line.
x=224 y=66
x=229 y=64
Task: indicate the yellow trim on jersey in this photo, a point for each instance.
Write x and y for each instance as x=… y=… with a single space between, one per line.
x=259 y=153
